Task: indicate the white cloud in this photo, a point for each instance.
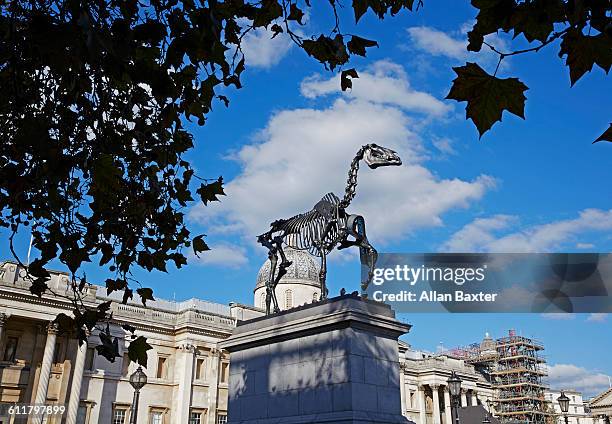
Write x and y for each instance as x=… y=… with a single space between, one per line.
x=222 y=254
x=438 y=43
x=585 y=246
x=483 y=234
x=453 y=45
x=302 y=154
x=263 y=51
x=444 y=145
x=597 y=317
x=384 y=83
x=558 y=316
x=568 y=376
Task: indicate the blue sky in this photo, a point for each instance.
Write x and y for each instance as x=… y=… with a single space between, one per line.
x=534 y=185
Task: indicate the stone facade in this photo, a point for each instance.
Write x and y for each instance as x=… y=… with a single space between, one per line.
x=187 y=372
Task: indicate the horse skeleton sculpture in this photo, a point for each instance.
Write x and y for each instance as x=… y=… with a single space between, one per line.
x=323 y=228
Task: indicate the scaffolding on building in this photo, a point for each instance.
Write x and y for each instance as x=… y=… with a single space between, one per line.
x=516 y=368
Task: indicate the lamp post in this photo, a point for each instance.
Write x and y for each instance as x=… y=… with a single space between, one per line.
x=564 y=404
x=138 y=379
x=454 y=387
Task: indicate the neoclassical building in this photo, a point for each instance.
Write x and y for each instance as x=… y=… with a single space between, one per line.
x=187 y=372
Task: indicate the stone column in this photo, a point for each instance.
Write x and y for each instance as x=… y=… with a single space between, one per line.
x=185 y=377
x=77 y=378
x=436 y=404
x=474 y=398
x=45 y=369
x=3 y=319
x=464 y=398
x=447 y=407
x=422 y=404
x=213 y=388
x=403 y=387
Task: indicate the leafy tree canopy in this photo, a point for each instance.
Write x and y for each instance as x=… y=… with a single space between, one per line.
x=95 y=94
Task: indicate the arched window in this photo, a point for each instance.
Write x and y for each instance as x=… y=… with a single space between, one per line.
x=288 y=299
x=315 y=296
x=263 y=301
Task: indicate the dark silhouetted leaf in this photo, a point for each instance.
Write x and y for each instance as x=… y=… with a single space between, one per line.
x=487 y=96
x=199 y=245
x=209 y=192
x=584 y=51
x=129 y=328
x=606 y=136
x=145 y=294
x=345 y=78
x=358 y=45
x=295 y=14
x=137 y=350
x=109 y=347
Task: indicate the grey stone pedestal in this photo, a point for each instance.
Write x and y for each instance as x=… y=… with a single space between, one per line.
x=331 y=362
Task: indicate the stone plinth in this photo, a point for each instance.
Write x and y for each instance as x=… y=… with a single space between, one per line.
x=331 y=362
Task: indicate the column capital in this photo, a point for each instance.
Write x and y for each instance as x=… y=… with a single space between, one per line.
x=52 y=327
x=3 y=318
x=187 y=347
x=435 y=386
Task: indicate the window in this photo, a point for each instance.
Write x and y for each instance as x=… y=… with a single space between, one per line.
x=81 y=417
x=221 y=419
x=224 y=372
x=119 y=416
x=157 y=417
x=162 y=367
x=195 y=418
x=263 y=301
x=11 y=349
x=125 y=365
x=89 y=358
x=288 y=299
x=201 y=369
x=57 y=353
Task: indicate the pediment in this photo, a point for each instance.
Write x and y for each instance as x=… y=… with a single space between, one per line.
x=602 y=400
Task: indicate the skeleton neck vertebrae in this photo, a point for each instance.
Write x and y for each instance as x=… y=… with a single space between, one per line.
x=324 y=228
x=351 y=182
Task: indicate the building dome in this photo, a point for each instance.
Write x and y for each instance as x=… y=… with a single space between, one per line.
x=300 y=285
x=488 y=346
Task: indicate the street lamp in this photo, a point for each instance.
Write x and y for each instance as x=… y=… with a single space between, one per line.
x=138 y=379
x=564 y=404
x=454 y=387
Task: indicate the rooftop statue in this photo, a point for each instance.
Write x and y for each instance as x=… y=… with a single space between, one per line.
x=325 y=227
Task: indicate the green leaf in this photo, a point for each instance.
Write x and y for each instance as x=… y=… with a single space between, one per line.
x=209 y=192
x=345 y=79
x=358 y=45
x=145 y=294
x=199 y=245
x=606 y=136
x=487 y=96
x=584 y=51
x=137 y=350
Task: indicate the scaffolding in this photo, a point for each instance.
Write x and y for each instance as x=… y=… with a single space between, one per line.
x=516 y=368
